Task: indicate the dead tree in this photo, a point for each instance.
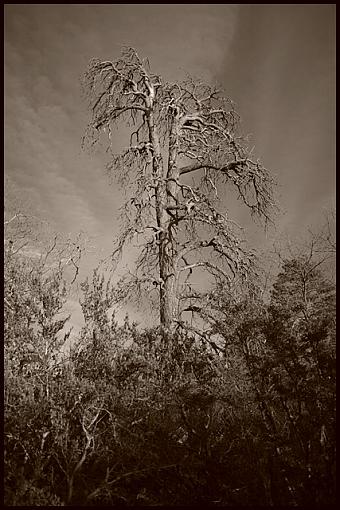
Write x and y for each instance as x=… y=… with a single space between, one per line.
x=179 y=132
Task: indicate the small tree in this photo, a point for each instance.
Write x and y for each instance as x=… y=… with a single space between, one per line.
x=286 y=347
x=37 y=383
x=177 y=131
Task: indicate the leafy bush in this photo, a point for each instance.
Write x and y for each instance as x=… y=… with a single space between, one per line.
x=135 y=417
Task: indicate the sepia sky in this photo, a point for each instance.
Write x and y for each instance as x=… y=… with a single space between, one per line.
x=277 y=62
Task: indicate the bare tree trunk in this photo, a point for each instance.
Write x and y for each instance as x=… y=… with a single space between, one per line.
x=167 y=274
x=170 y=301
x=168 y=291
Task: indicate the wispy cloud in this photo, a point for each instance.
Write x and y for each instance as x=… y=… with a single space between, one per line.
x=42 y=152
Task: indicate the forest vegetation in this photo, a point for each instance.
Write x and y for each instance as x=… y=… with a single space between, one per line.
x=234 y=407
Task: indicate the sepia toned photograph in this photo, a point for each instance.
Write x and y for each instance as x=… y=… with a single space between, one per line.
x=169 y=255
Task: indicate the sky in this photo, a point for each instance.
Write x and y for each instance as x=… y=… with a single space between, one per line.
x=277 y=63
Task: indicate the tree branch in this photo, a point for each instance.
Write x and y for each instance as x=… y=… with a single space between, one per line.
x=224 y=168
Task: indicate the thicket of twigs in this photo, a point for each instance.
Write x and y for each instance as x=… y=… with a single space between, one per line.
x=132 y=417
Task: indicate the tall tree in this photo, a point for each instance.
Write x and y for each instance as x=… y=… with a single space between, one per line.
x=177 y=131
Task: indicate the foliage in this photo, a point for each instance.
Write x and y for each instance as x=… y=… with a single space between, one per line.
x=34 y=326
x=287 y=348
x=137 y=417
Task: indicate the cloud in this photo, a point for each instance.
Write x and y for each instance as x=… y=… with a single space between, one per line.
x=181 y=39
x=35 y=159
x=42 y=154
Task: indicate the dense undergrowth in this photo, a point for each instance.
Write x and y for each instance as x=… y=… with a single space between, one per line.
x=135 y=417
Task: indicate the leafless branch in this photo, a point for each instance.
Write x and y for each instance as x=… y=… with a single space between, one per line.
x=176 y=129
